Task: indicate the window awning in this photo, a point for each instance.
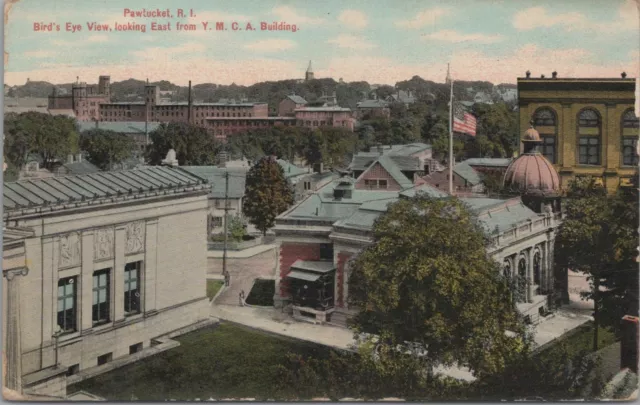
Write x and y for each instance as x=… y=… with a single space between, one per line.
x=313 y=266
x=300 y=275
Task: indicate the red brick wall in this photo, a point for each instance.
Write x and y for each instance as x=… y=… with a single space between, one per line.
x=343 y=257
x=377 y=172
x=289 y=253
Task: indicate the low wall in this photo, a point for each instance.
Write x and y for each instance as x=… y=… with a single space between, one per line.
x=241 y=245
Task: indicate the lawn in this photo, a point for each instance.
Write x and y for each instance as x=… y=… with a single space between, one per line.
x=262 y=293
x=582 y=340
x=213 y=286
x=226 y=361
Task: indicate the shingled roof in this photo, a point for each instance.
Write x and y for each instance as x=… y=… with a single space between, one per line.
x=56 y=193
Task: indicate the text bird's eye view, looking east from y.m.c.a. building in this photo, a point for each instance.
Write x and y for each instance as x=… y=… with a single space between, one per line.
x=295 y=200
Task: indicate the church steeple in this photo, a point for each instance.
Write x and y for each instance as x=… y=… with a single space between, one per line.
x=309 y=74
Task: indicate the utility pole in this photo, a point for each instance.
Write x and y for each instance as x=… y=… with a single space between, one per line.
x=226 y=227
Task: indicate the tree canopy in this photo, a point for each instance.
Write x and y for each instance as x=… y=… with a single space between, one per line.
x=427 y=279
x=105 y=148
x=267 y=193
x=194 y=146
x=599 y=237
x=50 y=137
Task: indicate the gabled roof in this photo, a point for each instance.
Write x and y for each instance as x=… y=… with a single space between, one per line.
x=392 y=168
x=424 y=189
x=297 y=99
x=468 y=173
x=57 y=193
x=216 y=177
x=82 y=167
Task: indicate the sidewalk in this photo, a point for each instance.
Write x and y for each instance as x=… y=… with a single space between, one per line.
x=240 y=254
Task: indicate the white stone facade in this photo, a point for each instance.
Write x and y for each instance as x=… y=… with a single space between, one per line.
x=165 y=235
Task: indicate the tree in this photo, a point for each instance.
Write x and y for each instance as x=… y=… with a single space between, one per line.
x=267 y=194
x=236 y=227
x=194 y=146
x=598 y=237
x=427 y=279
x=105 y=148
x=50 y=137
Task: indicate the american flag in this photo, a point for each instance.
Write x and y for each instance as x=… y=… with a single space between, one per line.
x=463 y=121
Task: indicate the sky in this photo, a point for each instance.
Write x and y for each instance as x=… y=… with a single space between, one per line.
x=380 y=41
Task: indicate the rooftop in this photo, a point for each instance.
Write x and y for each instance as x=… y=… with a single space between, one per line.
x=489 y=162
x=121 y=127
x=58 y=193
x=216 y=177
x=297 y=99
x=328 y=109
x=82 y=167
x=373 y=104
x=468 y=173
x=291 y=170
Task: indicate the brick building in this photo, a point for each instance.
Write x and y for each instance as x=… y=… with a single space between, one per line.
x=287 y=106
x=587 y=126
x=332 y=116
x=319 y=236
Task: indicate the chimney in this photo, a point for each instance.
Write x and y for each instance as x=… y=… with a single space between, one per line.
x=79 y=157
x=189 y=107
x=528 y=74
x=554 y=75
x=69 y=158
x=629 y=343
x=380 y=149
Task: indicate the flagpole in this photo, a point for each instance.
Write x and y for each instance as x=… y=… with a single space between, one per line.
x=451 y=140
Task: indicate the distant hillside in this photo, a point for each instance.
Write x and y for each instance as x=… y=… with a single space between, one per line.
x=348 y=94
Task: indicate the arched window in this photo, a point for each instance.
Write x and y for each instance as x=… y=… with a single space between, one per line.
x=630 y=125
x=546 y=123
x=589 y=137
x=506 y=270
x=522 y=280
x=537 y=269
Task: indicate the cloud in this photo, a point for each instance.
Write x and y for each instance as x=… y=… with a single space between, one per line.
x=39 y=54
x=457 y=37
x=271 y=45
x=291 y=16
x=155 y=53
x=98 y=38
x=354 y=19
x=423 y=18
x=540 y=17
x=351 y=42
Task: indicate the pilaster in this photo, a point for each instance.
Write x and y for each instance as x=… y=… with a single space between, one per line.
x=85 y=292
x=567 y=159
x=150 y=265
x=13 y=344
x=118 y=272
x=49 y=289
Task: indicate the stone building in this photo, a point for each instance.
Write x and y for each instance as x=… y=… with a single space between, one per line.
x=98 y=268
x=318 y=237
x=587 y=126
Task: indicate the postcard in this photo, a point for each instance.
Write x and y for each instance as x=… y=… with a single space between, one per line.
x=286 y=200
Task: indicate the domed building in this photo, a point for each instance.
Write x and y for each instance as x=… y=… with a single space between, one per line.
x=533 y=177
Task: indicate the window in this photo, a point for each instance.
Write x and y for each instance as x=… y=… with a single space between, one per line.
x=132 y=288
x=75 y=369
x=326 y=251
x=630 y=125
x=549 y=147
x=588 y=118
x=135 y=348
x=629 y=156
x=589 y=137
x=589 y=149
x=105 y=358
x=101 y=297
x=67 y=304
x=544 y=117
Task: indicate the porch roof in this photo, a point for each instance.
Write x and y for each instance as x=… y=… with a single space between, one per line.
x=301 y=275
